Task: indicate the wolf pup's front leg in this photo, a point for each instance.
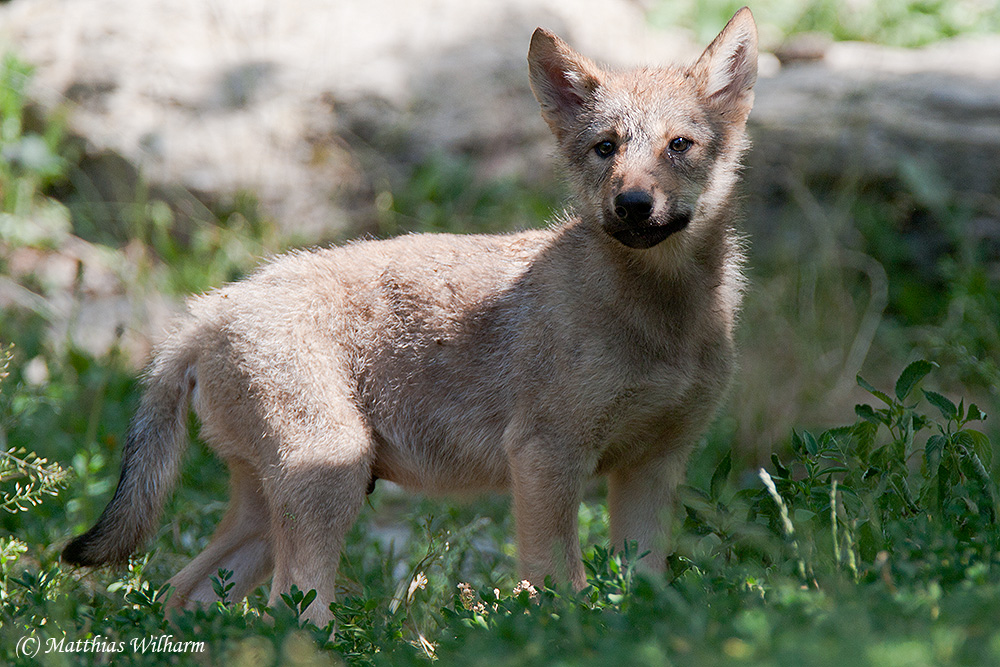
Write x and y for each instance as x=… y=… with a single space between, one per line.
x=547 y=487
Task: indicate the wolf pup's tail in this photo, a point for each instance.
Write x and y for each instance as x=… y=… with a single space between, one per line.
x=150 y=461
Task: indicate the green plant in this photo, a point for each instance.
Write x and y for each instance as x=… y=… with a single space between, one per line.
x=880 y=498
x=17 y=464
x=33 y=477
x=443 y=194
x=30 y=162
x=896 y=22
x=25 y=478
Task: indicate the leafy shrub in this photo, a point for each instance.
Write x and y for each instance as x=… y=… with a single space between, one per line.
x=881 y=493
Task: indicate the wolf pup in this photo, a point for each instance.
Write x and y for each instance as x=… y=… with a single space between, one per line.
x=529 y=361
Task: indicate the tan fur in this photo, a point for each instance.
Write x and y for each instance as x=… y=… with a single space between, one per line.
x=530 y=361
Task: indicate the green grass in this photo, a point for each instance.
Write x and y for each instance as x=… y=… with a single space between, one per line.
x=870 y=538
x=875 y=544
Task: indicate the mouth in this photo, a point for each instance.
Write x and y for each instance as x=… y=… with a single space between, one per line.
x=651 y=232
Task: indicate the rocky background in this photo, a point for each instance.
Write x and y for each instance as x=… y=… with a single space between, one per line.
x=278 y=98
x=325 y=111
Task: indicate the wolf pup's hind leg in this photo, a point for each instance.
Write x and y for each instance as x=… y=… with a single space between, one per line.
x=241 y=544
x=314 y=495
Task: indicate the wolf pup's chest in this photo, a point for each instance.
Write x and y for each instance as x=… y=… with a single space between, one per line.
x=651 y=415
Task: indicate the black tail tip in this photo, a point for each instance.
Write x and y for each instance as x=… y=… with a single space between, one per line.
x=78 y=552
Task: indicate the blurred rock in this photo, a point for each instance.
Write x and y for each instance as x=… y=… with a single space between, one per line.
x=307 y=102
x=276 y=97
x=868 y=110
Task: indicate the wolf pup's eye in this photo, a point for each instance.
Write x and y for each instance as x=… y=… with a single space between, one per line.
x=680 y=144
x=605 y=148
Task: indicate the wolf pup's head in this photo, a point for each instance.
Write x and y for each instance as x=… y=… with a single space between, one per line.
x=650 y=152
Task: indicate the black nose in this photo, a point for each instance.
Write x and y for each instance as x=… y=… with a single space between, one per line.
x=634 y=206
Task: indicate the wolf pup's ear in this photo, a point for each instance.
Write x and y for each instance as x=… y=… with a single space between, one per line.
x=561 y=79
x=727 y=70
